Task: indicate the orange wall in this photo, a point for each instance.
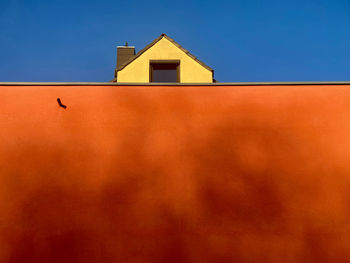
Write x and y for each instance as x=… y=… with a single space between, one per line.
x=175 y=174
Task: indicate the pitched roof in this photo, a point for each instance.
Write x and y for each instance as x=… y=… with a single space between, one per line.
x=153 y=43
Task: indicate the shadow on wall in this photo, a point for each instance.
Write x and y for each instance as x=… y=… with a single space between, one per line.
x=175 y=189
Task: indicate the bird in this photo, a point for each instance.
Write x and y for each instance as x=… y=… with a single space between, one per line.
x=60 y=103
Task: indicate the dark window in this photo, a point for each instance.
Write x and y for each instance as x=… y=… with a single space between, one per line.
x=165 y=71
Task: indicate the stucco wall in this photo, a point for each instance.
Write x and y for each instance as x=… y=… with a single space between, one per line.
x=175 y=174
x=190 y=70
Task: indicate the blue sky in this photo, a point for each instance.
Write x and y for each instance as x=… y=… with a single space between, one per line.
x=245 y=40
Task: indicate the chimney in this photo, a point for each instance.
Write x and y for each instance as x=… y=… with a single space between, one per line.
x=124 y=53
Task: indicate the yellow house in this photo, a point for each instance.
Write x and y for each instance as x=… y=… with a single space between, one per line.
x=163 y=60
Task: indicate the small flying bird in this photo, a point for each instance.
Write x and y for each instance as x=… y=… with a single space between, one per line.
x=60 y=103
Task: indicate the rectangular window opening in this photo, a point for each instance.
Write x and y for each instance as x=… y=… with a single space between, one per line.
x=165 y=71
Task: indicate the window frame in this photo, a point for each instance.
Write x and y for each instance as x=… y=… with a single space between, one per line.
x=172 y=61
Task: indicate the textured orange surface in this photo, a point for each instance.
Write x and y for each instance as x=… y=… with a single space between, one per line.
x=175 y=174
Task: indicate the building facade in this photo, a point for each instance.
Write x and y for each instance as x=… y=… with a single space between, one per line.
x=143 y=171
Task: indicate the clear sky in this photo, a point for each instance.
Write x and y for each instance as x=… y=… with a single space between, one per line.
x=242 y=40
